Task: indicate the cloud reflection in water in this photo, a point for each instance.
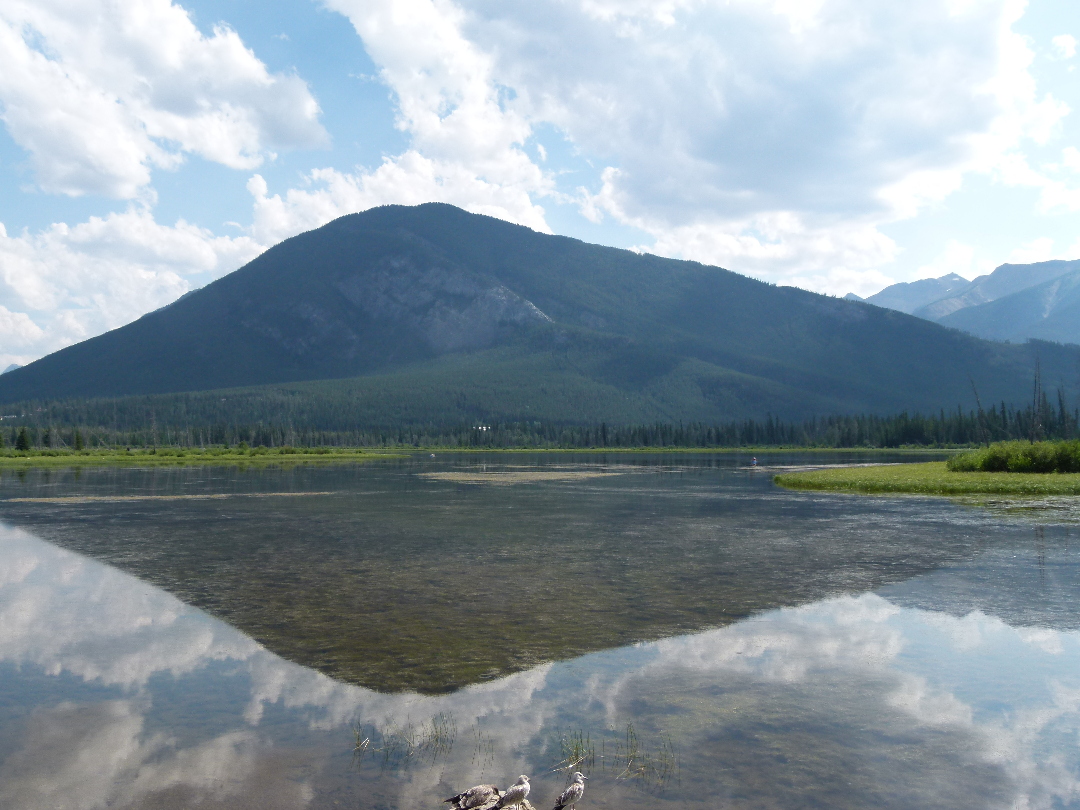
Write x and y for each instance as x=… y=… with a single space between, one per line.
x=119 y=695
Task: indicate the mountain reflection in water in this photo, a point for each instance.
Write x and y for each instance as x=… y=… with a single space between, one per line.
x=398 y=576
x=114 y=693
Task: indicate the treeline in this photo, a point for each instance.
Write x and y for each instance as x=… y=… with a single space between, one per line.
x=48 y=428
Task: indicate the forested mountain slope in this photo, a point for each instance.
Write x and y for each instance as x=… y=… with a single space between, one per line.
x=433 y=308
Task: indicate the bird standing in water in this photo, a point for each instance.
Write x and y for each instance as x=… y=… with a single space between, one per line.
x=516 y=793
x=476 y=796
x=572 y=795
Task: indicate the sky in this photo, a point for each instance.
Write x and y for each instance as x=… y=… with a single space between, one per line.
x=149 y=147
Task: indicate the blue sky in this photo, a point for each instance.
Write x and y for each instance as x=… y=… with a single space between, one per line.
x=150 y=147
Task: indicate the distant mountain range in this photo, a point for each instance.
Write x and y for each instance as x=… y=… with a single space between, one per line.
x=910 y=296
x=435 y=313
x=1016 y=302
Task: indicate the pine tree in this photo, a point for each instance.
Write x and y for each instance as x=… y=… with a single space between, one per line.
x=79 y=443
x=23 y=442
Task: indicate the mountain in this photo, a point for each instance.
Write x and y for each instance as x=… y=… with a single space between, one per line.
x=911 y=295
x=12 y=367
x=431 y=311
x=1049 y=311
x=1004 y=281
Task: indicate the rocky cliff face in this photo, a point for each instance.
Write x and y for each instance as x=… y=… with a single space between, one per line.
x=393 y=307
x=1047 y=311
x=448 y=308
x=1006 y=280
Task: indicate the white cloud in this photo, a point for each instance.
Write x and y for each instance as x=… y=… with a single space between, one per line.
x=774 y=138
x=1064 y=46
x=833 y=114
x=838 y=259
x=466 y=143
x=100 y=93
x=409 y=179
x=1038 y=250
x=68 y=283
x=957 y=257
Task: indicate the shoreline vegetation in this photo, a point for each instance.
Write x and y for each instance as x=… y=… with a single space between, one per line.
x=138 y=456
x=1003 y=468
x=162 y=456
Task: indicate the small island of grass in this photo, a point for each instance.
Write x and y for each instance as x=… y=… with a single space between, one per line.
x=1004 y=468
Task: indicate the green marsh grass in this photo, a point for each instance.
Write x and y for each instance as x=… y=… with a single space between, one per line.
x=174 y=456
x=930 y=478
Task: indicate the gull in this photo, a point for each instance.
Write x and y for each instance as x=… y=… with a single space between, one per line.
x=572 y=795
x=516 y=793
x=476 y=796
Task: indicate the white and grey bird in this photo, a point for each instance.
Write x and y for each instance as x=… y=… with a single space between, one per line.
x=476 y=796
x=572 y=795
x=516 y=793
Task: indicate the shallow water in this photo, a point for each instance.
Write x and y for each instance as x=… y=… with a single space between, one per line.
x=701 y=636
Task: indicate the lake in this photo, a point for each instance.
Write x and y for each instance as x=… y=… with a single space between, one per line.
x=384 y=635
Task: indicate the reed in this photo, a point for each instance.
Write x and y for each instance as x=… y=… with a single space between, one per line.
x=653 y=768
x=578 y=752
x=403 y=745
x=625 y=755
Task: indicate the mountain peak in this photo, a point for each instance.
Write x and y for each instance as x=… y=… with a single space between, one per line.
x=911 y=295
x=430 y=305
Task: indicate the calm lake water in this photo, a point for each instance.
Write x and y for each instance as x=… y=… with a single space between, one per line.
x=213 y=637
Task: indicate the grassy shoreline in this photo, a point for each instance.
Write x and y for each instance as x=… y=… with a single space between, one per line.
x=929 y=478
x=172 y=456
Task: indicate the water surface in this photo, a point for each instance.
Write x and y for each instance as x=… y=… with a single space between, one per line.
x=704 y=638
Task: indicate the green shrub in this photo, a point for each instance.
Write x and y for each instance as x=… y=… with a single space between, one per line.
x=1020 y=457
